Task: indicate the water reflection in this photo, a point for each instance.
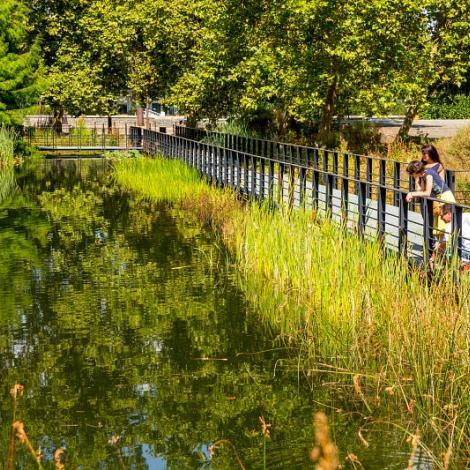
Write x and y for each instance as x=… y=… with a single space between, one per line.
x=136 y=349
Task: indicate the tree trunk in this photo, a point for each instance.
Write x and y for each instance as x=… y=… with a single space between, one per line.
x=57 y=120
x=139 y=116
x=406 y=125
x=328 y=112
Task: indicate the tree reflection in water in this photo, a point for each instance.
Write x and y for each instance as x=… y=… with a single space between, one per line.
x=122 y=320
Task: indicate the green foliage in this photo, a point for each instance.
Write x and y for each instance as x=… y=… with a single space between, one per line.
x=20 y=64
x=293 y=62
x=457 y=107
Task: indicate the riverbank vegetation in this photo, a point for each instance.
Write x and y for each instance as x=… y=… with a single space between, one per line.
x=351 y=312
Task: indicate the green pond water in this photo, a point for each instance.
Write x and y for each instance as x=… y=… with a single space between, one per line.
x=128 y=328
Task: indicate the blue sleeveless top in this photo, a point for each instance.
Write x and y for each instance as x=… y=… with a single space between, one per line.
x=438 y=184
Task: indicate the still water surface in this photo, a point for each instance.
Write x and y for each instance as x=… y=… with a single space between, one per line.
x=125 y=323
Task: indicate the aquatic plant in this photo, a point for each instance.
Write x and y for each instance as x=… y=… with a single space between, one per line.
x=156 y=179
x=349 y=308
x=7 y=144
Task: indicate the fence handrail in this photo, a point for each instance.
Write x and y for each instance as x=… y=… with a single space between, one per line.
x=309 y=184
x=183 y=131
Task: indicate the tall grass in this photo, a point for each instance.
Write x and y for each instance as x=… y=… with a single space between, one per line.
x=159 y=179
x=7 y=144
x=350 y=308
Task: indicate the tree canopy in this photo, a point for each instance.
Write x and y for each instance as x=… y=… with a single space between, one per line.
x=20 y=62
x=292 y=60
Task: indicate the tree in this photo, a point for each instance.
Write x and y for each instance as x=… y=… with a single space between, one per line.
x=448 y=57
x=20 y=64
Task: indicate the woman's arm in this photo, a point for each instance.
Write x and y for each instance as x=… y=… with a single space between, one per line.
x=422 y=192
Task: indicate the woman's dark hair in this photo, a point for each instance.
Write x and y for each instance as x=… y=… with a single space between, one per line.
x=414 y=167
x=430 y=150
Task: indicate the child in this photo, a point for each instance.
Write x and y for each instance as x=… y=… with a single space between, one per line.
x=445 y=214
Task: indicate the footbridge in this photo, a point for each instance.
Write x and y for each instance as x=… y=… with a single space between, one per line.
x=84 y=140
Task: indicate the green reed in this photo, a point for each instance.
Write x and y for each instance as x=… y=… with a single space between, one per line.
x=347 y=306
x=158 y=179
x=7 y=144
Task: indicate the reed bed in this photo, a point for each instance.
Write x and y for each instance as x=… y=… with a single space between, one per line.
x=344 y=304
x=157 y=179
x=7 y=145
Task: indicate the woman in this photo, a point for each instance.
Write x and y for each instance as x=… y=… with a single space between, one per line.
x=430 y=184
x=431 y=159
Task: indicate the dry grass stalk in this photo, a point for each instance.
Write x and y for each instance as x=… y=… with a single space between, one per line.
x=362 y=439
x=265 y=427
x=415 y=441
x=324 y=453
x=358 y=389
x=21 y=435
x=354 y=460
x=58 y=454
x=222 y=442
x=16 y=390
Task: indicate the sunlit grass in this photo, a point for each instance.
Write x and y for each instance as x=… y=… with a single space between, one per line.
x=347 y=306
x=157 y=179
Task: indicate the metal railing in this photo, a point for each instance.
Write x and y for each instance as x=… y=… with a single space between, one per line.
x=365 y=167
x=325 y=181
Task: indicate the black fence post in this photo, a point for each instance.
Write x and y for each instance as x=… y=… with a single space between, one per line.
x=357 y=171
x=457 y=236
x=335 y=170
x=362 y=204
x=271 y=180
x=330 y=182
x=291 y=187
x=396 y=183
x=262 y=175
x=382 y=200
x=253 y=175
x=302 y=185
x=369 y=176
x=315 y=188
x=428 y=216
x=280 y=182
x=450 y=179
x=402 y=224
x=345 y=188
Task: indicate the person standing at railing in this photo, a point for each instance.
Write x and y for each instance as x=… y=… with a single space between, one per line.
x=431 y=159
x=430 y=184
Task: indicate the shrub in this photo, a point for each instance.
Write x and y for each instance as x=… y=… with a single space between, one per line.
x=457 y=108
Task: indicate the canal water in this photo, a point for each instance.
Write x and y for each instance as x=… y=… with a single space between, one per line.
x=125 y=323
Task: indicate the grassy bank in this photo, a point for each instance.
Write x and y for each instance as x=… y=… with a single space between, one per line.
x=342 y=304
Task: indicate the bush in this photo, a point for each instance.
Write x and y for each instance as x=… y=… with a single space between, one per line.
x=457 y=108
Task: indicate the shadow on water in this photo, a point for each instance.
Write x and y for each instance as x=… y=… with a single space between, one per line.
x=123 y=321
